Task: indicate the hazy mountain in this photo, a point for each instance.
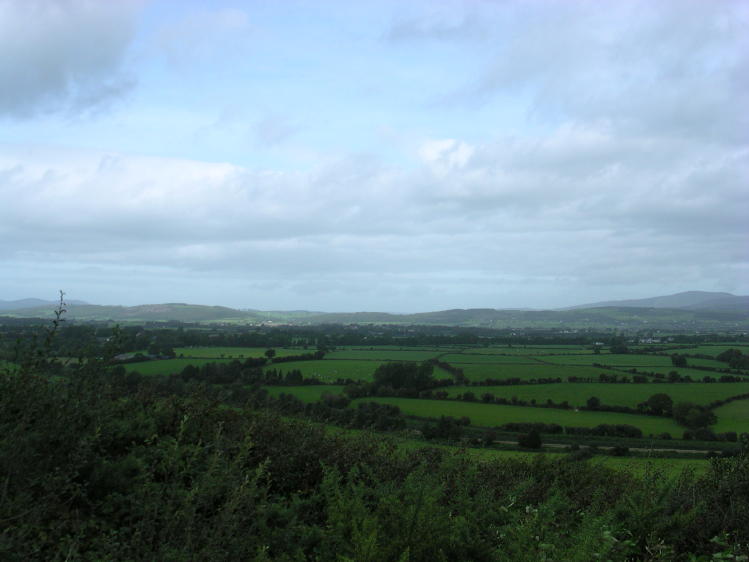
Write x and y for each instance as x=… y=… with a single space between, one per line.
x=690 y=311
x=694 y=300
x=31 y=303
x=179 y=312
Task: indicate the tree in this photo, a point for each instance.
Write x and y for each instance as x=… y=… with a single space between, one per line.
x=398 y=374
x=270 y=354
x=593 y=402
x=678 y=360
x=660 y=404
x=693 y=415
x=531 y=440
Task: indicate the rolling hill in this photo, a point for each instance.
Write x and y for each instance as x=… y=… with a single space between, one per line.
x=692 y=311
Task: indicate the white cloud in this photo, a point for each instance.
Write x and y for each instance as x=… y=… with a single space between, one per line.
x=62 y=54
x=485 y=214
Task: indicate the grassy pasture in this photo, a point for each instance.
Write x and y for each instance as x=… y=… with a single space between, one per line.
x=384 y=355
x=489 y=415
x=615 y=394
x=306 y=393
x=426 y=348
x=330 y=370
x=694 y=373
x=734 y=416
x=707 y=363
x=638 y=465
x=530 y=350
x=613 y=359
x=168 y=366
x=715 y=350
x=479 y=358
x=480 y=372
x=237 y=352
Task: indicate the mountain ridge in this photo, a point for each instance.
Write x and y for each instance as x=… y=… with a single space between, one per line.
x=694 y=314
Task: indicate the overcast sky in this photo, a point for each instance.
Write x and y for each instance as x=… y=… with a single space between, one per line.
x=393 y=156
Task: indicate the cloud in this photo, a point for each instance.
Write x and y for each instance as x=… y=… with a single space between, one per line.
x=437 y=27
x=63 y=55
x=204 y=35
x=669 y=68
x=568 y=212
x=273 y=129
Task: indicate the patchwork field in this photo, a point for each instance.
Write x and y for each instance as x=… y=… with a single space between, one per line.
x=384 y=354
x=237 y=352
x=490 y=415
x=168 y=366
x=715 y=350
x=480 y=372
x=329 y=371
x=332 y=370
x=482 y=358
x=696 y=374
x=629 y=395
x=306 y=393
x=613 y=359
x=503 y=362
x=532 y=350
x=734 y=416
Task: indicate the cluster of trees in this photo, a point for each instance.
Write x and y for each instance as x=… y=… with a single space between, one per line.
x=456 y=372
x=399 y=378
x=606 y=430
x=446 y=427
x=334 y=409
x=735 y=359
x=675 y=377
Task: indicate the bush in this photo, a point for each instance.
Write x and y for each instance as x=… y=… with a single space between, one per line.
x=531 y=440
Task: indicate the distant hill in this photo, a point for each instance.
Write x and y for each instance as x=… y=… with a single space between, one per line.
x=691 y=300
x=31 y=303
x=596 y=317
x=178 y=312
x=692 y=311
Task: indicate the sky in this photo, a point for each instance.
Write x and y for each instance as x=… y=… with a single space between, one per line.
x=375 y=155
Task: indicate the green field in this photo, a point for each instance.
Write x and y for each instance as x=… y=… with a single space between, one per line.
x=480 y=372
x=168 y=366
x=481 y=358
x=237 y=352
x=696 y=374
x=613 y=359
x=490 y=415
x=333 y=369
x=715 y=350
x=306 y=393
x=614 y=394
x=707 y=363
x=384 y=355
x=734 y=416
x=532 y=350
x=637 y=465
x=330 y=370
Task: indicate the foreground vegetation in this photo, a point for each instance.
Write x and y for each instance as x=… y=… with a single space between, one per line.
x=154 y=444
x=96 y=470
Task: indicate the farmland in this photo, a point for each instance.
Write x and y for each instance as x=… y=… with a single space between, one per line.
x=518 y=402
x=576 y=394
x=306 y=393
x=490 y=415
x=733 y=416
x=168 y=366
x=236 y=352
